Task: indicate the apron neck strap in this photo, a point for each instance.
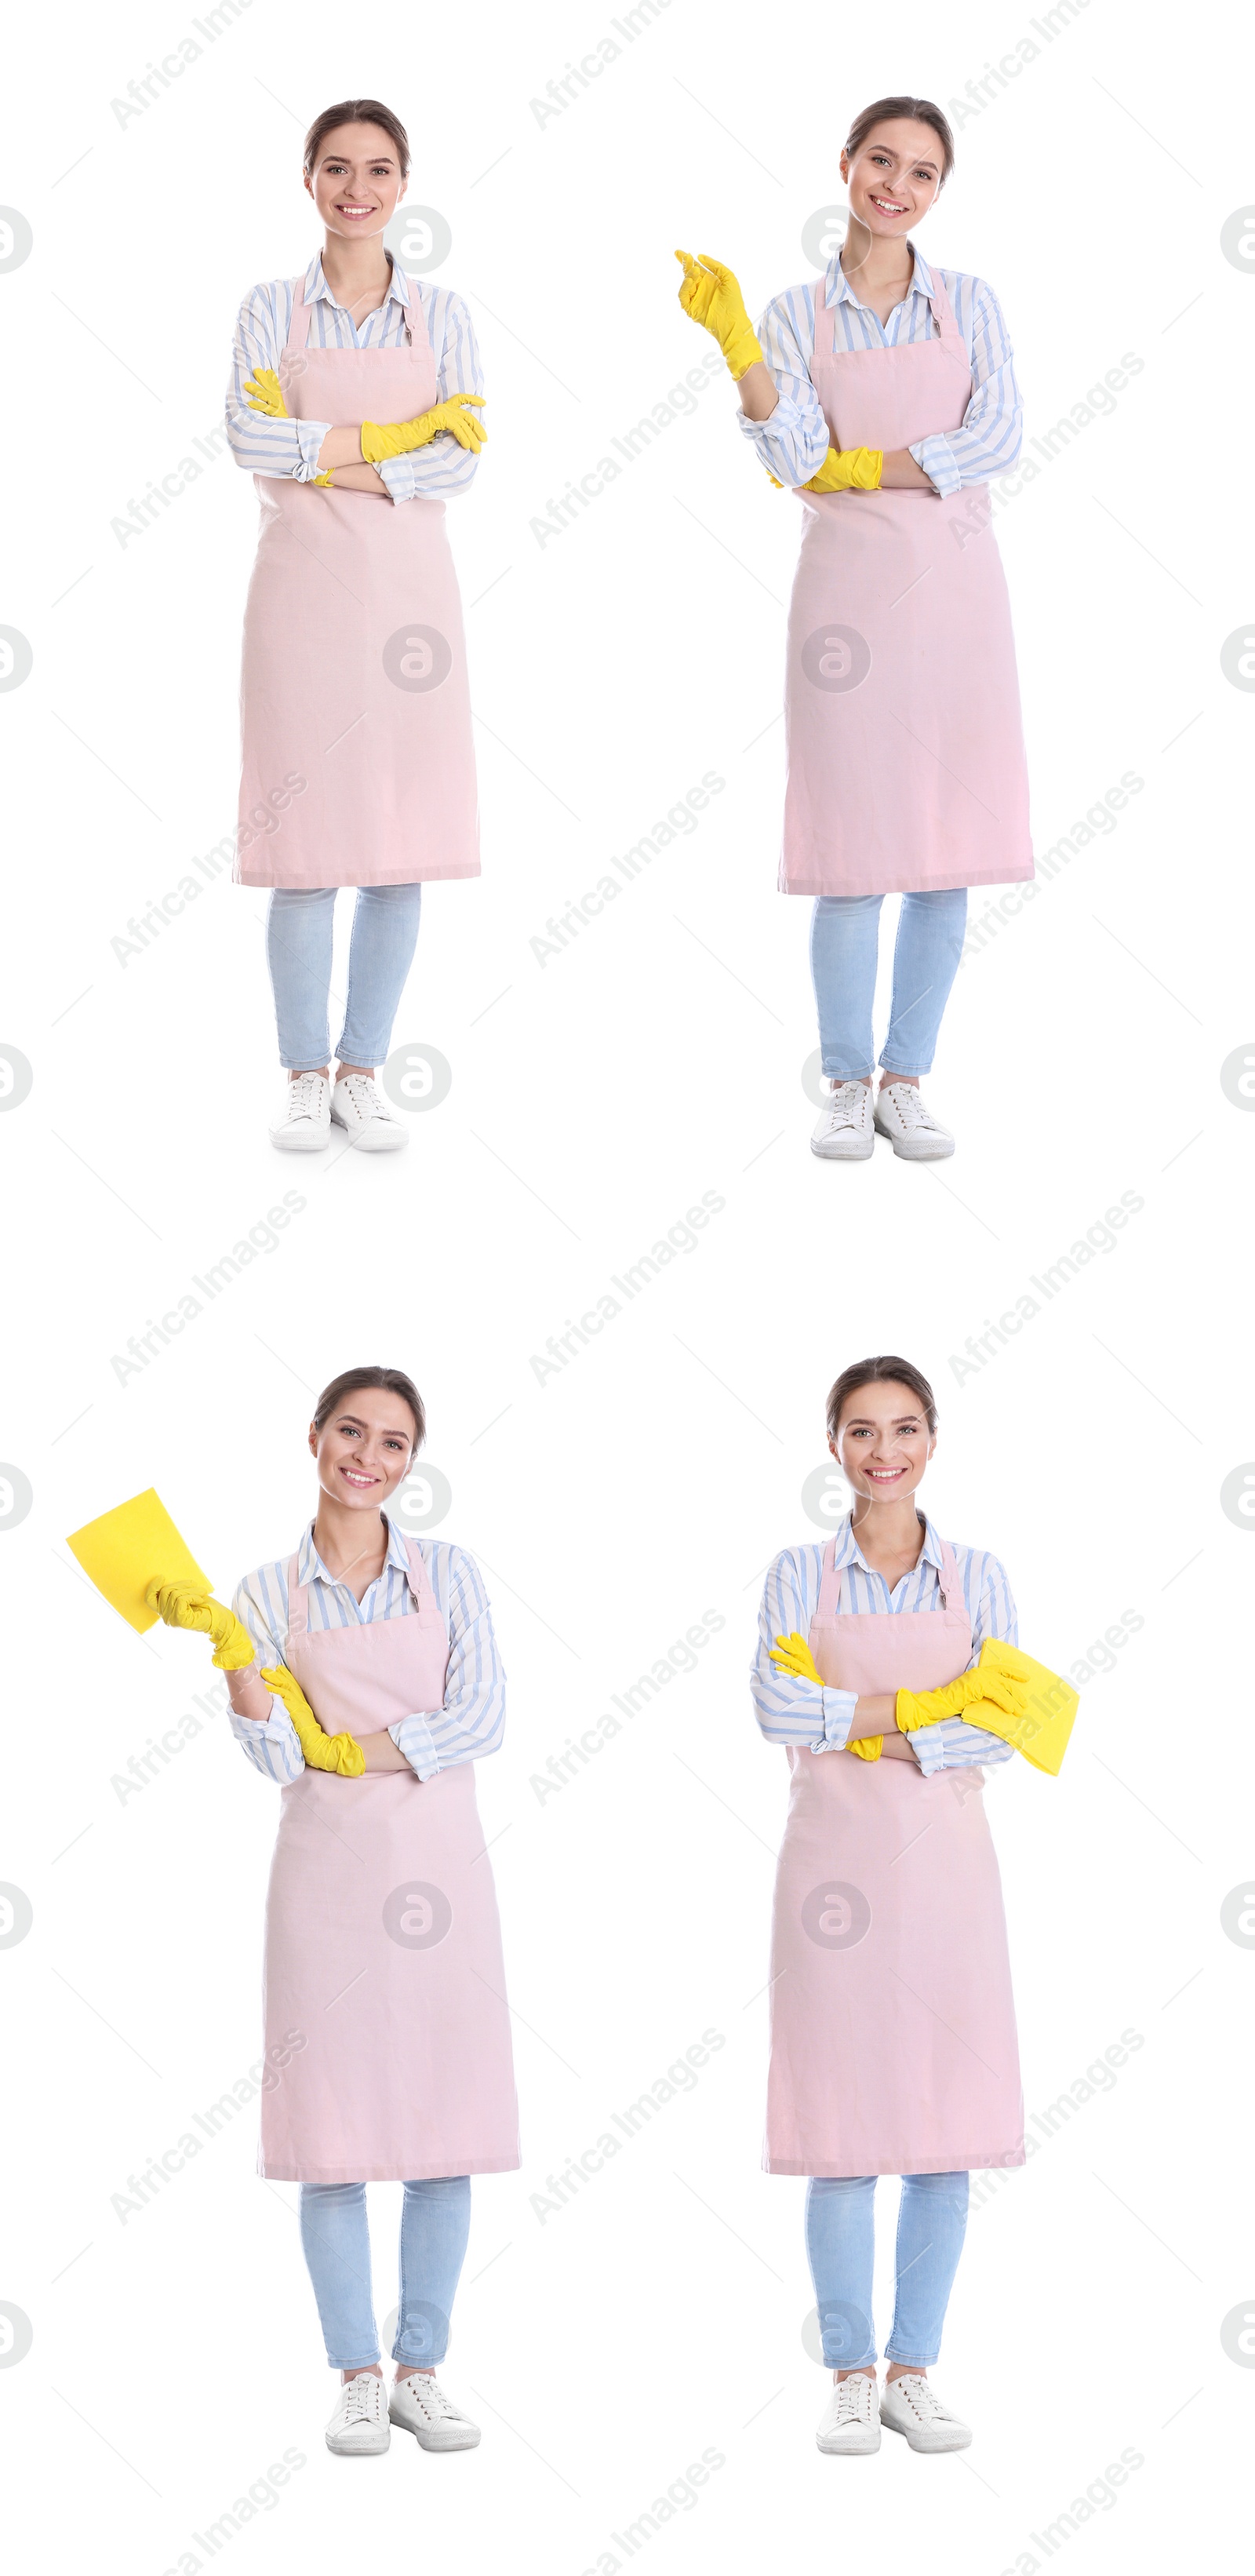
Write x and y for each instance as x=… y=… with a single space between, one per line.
x=938 y=305
x=420 y=1582
x=410 y=311
x=951 y=1588
x=834 y=1575
x=298 y=327
x=298 y=1606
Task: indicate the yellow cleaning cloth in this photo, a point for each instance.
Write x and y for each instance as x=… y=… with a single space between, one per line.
x=1041 y=1735
x=127 y=1549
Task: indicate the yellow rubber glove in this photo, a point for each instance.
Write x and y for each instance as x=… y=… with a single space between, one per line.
x=187 y=1605
x=792 y=1655
x=1003 y=1690
x=1041 y=1730
x=264 y=393
x=848 y=469
x=401 y=437
x=322 y=1752
x=709 y=294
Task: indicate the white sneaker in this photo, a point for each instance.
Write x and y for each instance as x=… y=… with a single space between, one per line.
x=360 y=2421
x=420 y=2404
x=356 y=1105
x=305 y=1125
x=911 y=2405
x=845 y=1133
x=848 y=2422
x=912 y=1130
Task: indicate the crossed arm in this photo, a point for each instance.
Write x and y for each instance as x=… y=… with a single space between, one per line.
x=898 y=472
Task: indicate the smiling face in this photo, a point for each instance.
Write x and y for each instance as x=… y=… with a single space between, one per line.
x=364 y=1449
x=893 y=177
x=882 y=1441
x=356 y=182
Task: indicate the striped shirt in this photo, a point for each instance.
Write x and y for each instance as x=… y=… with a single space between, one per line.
x=265 y=446
x=472 y=1720
x=794 y=442
x=786 y=1708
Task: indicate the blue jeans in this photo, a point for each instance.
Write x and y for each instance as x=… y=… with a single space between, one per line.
x=845 y=932
x=435 y=2224
x=298 y=953
x=932 y=2221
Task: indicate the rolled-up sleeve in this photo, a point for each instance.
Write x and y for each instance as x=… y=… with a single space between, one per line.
x=271 y=1743
x=471 y=1721
x=954 y=1745
x=444 y=465
x=791 y=445
x=989 y=437
x=258 y=444
x=790 y=1711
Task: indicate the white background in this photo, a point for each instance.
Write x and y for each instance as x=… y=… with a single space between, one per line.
x=594 y=1099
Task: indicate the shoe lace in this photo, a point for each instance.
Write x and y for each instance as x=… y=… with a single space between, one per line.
x=919 y=2392
x=852 y=2400
x=358 y=2395
x=429 y=2393
x=843 y=1111
x=910 y=1107
x=304 y=1095
x=365 y=1098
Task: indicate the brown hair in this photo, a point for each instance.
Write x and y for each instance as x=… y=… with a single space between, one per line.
x=388 y=1381
x=921 y=111
x=877 y=1372
x=357 y=111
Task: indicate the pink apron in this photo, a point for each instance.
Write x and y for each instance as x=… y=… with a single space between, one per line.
x=383 y=1947
x=893 y=2045
x=902 y=708
x=358 y=758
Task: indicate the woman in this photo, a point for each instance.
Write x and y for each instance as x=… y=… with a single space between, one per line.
x=354 y=402
x=364 y=1677
x=893 y=2043
x=883 y=386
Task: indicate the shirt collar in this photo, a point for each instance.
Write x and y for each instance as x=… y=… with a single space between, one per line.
x=310 y=1567
x=317 y=290
x=848 y=1551
x=838 y=290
